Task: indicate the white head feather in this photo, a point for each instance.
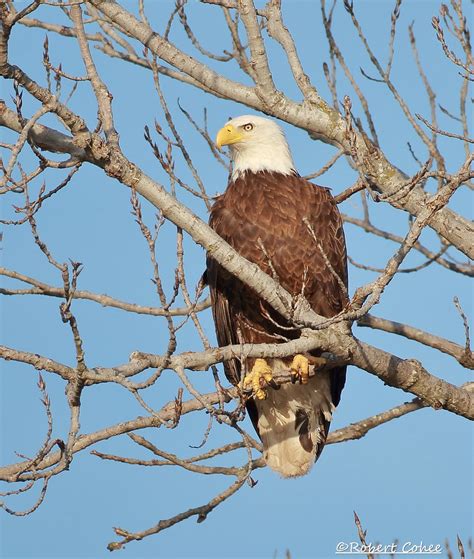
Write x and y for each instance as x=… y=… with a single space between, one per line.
x=261 y=146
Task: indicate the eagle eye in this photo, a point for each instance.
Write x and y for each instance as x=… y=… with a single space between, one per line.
x=248 y=127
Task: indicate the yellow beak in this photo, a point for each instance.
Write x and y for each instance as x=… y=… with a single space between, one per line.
x=227 y=135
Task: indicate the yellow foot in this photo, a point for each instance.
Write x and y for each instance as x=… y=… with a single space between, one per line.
x=258 y=378
x=300 y=369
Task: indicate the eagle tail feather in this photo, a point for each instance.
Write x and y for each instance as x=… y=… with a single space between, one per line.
x=293 y=424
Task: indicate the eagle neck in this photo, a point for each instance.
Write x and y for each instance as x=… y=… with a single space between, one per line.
x=265 y=156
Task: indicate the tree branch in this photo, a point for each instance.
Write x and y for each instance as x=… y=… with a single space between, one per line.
x=446 y=346
x=41 y=288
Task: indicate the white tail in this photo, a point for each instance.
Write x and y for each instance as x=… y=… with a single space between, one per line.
x=291 y=422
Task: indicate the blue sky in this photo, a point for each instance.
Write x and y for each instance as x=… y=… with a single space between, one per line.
x=409 y=480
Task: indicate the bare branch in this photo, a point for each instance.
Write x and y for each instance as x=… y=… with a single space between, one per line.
x=41 y=288
x=201 y=512
x=465 y=358
x=443 y=132
x=361 y=428
x=265 y=89
x=466 y=269
x=103 y=96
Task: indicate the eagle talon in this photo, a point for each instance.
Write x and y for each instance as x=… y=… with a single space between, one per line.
x=258 y=378
x=273 y=384
x=300 y=369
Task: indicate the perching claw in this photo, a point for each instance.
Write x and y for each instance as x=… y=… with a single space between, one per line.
x=258 y=378
x=300 y=369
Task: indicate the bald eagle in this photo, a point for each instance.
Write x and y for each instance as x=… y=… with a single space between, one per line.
x=291 y=228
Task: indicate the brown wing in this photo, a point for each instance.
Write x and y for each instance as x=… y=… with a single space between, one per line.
x=267 y=218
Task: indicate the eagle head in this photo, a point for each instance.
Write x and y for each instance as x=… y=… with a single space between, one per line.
x=256 y=144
